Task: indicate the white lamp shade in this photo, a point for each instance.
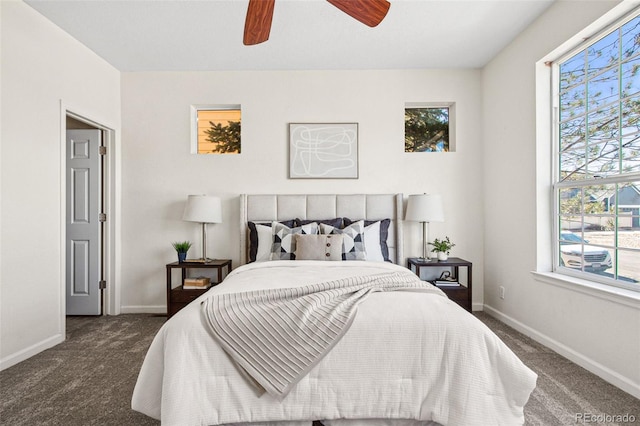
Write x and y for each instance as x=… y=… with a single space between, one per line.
x=203 y=209
x=424 y=208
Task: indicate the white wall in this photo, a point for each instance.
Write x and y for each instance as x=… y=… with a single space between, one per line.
x=600 y=334
x=158 y=172
x=41 y=65
x=488 y=185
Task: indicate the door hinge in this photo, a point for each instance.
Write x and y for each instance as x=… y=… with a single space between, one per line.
x=102 y=284
x=102 y=217
x=103 y=150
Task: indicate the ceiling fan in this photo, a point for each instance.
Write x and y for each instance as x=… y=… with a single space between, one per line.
x=260 y=13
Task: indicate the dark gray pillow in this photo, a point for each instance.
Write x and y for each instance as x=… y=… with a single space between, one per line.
x=336 y=222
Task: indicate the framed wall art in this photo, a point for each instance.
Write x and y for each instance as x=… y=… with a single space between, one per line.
x=323 y=150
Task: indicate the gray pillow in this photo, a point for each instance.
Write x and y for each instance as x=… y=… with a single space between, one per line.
x=318 y=247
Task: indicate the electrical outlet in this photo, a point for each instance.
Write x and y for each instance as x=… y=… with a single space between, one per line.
x=501 y=292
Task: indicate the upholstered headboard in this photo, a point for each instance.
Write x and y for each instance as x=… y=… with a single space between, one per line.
x=270 y=207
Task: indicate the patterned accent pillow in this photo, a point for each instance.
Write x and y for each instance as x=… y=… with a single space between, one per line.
x=284 y=244
x=260 y=239
x=353 y=239
x=376 y=233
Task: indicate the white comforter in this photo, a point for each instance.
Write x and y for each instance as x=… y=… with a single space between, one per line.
x=406 y=356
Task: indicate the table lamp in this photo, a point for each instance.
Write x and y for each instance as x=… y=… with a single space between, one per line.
x=203 y=209
x=424 y=208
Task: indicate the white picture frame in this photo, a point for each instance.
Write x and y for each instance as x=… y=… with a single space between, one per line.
x=323 y=150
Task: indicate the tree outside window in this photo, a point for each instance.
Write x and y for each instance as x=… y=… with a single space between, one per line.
x=598 y=158
x=426 y=129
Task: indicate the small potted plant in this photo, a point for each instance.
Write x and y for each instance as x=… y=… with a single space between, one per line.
x=182 y=247
x=442 y=247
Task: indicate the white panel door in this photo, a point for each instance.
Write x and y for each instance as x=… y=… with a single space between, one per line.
x=83 y=222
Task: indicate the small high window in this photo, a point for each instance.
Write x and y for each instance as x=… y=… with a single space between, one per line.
x=427 y=128
x=216 y=129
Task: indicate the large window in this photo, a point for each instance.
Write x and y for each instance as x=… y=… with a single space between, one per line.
x=597 y=168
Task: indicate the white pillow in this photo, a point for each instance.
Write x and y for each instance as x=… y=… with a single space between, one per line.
x=264 y=243
x=372 y=248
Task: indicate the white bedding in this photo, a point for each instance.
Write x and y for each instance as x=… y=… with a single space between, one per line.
x=407 y=355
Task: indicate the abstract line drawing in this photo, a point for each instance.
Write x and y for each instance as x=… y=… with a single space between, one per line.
x=323 y=150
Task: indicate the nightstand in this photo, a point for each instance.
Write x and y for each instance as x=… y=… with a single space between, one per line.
x=457 y=292
x=178 y=297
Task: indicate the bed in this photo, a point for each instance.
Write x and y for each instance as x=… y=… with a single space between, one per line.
x=405 y=354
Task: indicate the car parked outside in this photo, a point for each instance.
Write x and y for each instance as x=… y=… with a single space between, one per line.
x=576 y=253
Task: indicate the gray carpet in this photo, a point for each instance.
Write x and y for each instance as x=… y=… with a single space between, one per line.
x=88 y=379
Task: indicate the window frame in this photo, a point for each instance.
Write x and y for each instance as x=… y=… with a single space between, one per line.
x=556 y=184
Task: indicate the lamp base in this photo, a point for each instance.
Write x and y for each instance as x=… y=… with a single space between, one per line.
x=201 y=260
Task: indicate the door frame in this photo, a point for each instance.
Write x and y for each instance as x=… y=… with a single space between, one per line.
x=111 y=295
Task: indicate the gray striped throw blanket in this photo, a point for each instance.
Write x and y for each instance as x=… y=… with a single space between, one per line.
x=278 y=335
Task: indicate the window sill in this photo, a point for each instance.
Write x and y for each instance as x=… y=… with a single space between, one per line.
x=614 y=294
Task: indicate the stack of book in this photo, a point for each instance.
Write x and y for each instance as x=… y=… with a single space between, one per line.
x=446 y=283
x=198 y=283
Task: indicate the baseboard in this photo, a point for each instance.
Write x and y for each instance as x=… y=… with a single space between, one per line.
x=32 y=350
x=596 y=368
x=143 y=309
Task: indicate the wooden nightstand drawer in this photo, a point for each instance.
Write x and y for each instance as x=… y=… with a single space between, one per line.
x=459 y=294
x=180 y=295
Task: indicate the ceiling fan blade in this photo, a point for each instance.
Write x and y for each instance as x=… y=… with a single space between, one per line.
x=369 y=12
x=257 y=25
